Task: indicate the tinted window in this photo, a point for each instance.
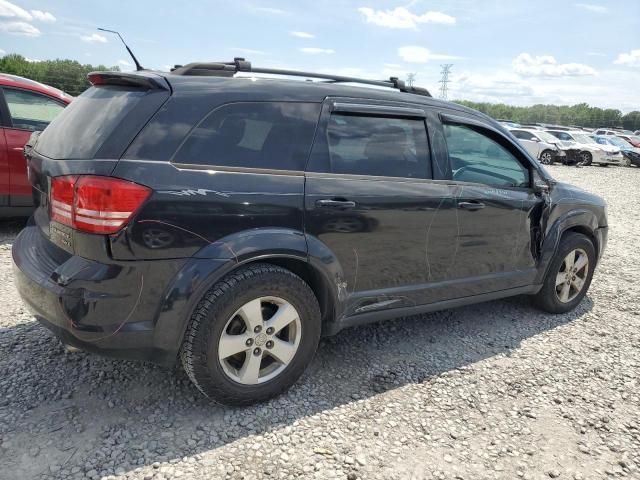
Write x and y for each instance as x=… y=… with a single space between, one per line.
x=475 y=157
x=81 y=129
x=381 y=146
x=274 y=135
x=29 y=110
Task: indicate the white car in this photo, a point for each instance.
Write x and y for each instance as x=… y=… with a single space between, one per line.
x=541 y=145
x=590 y=150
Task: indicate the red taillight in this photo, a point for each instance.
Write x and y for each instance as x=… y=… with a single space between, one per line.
x=95 y=204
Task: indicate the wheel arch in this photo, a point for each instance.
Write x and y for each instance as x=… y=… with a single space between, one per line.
x=191 y=283
x=582 y=221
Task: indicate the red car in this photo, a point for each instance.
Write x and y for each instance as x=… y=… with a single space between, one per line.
x=632 y=139
x=25 y=107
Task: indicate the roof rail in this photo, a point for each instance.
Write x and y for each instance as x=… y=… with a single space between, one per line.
x=229 y=69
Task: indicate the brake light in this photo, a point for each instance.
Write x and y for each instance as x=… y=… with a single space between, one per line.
x=95 y=204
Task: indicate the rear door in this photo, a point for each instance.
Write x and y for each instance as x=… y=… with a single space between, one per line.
x=372 y=203
x=27 y=112
x=496 y=206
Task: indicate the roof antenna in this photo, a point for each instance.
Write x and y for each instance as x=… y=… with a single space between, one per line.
x=135 y=60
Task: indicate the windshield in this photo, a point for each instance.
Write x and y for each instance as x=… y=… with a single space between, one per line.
x=618 y=142
x=546 y=137
x=583 y=138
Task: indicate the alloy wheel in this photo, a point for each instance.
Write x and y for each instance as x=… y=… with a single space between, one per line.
x=260 y=340
x=572 y=275
x=546 y=158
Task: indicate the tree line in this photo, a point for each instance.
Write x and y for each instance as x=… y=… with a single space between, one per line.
x=581 y=114
x=71 y=77
x=67 y=75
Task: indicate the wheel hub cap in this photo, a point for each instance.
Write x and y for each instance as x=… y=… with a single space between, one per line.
x=572 y=275
x=260 y=340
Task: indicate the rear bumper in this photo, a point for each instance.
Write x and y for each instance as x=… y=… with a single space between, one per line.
x=110 y=309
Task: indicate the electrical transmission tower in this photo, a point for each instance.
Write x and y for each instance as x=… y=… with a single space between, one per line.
x=411 y=78
x=444 y=80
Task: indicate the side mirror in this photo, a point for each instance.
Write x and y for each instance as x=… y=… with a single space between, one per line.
x=534 y=139
x=540 y=187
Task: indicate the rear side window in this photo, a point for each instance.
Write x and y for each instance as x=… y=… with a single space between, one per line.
x=81 y=129
x=476 y=157
x=272 y=135
x=29 y=110
x=376 y=145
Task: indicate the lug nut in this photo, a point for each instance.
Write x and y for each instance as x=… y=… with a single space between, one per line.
x=258 y=329
x=270 y=344
x=270 y=330
x=257 y=351
x=249 y=342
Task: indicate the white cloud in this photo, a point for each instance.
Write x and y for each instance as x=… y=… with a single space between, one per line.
x=592 y=8
x=631 y=59
x=43 y=16
x=2 y=52
x=9 y=10
x=415 y=54
x=547 y=66
x=302 y=34
x=124 y=63
x=316 y=51
x=19 y=28
x=495 y=87
x=272 y=10
x=32 y=60
x=400 y=17
x=249 y=51
x=93 y=38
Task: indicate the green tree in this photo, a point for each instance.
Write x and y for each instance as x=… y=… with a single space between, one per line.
x=67 y=75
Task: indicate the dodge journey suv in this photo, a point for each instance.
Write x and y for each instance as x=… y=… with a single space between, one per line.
x=228 y=221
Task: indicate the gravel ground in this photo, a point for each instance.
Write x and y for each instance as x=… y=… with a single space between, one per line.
x=497 y=390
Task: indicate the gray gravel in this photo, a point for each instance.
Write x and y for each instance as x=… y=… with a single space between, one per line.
x=497 y=390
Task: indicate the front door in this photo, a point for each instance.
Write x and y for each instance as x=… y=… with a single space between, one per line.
x=498 y=211
x=371 y=203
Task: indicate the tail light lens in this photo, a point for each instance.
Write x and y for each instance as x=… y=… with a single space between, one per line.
x=95 y=204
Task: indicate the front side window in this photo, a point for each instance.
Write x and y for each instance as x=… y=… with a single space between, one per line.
x=478 y=158
x=378 y=146
x=272 y=135
x=29 y=110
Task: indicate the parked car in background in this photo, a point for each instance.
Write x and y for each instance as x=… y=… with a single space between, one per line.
x=632 y=139
x=541 y=145
x=631 y=153
x=612 y=131
x=637 y=132
x=590 y=151
x=239 y=177
x=26 y=106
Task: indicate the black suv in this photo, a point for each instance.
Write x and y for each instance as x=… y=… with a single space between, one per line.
x=230 y=221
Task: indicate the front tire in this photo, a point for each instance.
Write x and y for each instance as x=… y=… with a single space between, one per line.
x=587 y=158
x=546 y=157
x=252 y=335
x=569 y=275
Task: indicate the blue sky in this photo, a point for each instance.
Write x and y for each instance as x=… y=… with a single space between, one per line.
x=518 y=52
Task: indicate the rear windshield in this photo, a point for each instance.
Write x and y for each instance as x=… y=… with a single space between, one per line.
x=82 y=128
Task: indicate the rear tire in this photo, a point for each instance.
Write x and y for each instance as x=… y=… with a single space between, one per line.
x=559 y=292
x=238 y=314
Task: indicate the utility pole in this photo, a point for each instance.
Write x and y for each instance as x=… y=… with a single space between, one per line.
x=411 y=78
x=444 y=80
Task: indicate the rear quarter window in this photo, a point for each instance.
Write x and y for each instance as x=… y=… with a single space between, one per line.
x=270 y=135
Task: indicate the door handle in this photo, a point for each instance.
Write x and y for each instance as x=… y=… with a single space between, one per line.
x=335 y=203
x=471 y=205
